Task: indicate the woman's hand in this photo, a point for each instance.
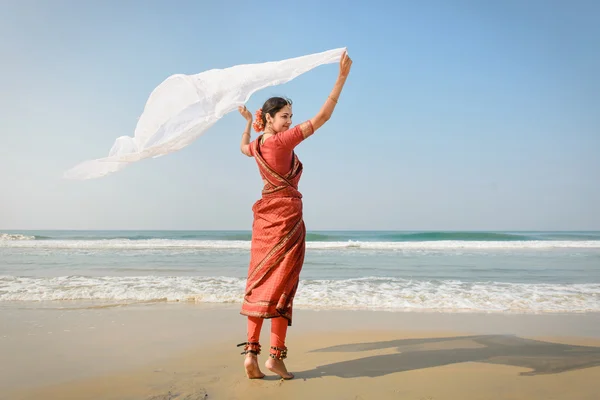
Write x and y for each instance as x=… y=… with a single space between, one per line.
x=345 y=64
x=245 y=113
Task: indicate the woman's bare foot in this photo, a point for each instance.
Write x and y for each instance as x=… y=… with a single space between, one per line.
x=278 y=367
x=252 y=368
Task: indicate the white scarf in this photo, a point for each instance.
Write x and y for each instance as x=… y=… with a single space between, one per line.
x=183 y=107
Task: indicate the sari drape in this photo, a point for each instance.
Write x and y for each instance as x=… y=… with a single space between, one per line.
x=278 y=242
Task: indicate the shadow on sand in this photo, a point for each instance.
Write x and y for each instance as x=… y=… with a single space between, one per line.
x=540 y=357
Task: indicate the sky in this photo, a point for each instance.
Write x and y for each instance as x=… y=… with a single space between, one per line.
x=457 y=115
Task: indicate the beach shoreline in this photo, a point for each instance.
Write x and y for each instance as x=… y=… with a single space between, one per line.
x=125 y=353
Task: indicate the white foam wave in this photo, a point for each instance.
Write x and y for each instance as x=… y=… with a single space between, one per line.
x=126 y=244
x=364 y=293
x=15 y=236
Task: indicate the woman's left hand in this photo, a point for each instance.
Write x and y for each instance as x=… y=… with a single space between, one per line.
x=245 y=113
x=345 y=64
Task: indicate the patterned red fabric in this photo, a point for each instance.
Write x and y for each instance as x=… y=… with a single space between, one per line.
x=278 y=150
x=278 y=240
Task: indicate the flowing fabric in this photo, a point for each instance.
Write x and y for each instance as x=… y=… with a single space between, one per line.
x=183 y=107
x=278 y=241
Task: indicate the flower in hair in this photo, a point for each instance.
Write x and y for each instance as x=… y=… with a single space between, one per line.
x=258 y=123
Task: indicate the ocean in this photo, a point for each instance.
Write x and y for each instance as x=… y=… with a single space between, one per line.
x=507 y=272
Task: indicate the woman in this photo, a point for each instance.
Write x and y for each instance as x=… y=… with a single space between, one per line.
x=278 y=232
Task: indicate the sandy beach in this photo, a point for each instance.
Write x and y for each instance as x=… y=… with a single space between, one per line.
x=181 y=351
x=416 y=183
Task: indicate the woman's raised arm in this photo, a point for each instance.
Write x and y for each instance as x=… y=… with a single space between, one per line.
x=327 y=110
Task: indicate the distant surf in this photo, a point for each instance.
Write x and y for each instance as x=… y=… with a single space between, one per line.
x=440 y=271
x=374 y=240
x=316 y=236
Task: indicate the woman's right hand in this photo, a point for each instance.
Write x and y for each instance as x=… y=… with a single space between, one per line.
x=345 y=64
x=245 y=113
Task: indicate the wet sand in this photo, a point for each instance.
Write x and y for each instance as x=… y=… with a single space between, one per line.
x=188 y=351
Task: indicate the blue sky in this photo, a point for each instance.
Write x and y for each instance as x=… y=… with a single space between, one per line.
x=457 y=115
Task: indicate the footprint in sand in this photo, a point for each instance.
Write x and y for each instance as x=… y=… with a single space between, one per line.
x=202 y=395
x=166 y=396
x=198 y=395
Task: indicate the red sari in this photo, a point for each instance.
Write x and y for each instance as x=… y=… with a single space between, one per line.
x=278 y=239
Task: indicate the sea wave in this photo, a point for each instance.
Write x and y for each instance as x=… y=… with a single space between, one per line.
x=370 y=293
x=127 y=244
x=312 y=236
x=15 y=236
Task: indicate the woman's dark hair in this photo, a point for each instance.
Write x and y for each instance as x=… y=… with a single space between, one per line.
x=273 y=106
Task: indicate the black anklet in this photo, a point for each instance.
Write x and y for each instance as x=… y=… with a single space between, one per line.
x=279 y=353
x=250 y=347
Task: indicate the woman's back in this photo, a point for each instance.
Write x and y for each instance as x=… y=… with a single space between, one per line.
x=278 y=150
